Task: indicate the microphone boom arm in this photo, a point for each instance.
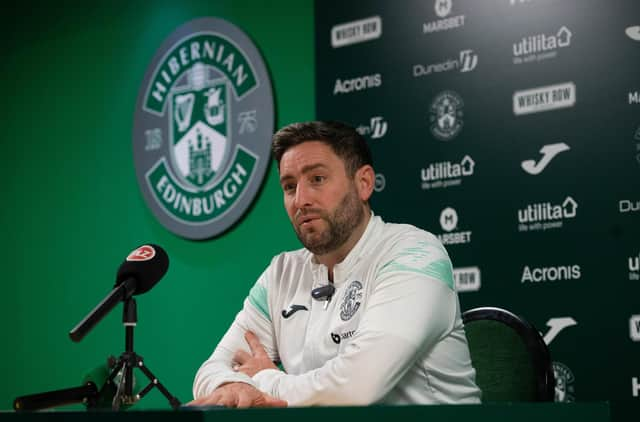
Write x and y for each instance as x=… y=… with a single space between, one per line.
x=120 y=293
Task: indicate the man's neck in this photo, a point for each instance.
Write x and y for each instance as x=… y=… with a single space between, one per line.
x=335 y=257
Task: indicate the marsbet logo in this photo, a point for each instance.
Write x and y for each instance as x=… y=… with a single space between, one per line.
x=449 y=222
x=443 y=9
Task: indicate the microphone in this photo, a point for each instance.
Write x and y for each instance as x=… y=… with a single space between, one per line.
x=323 y=293
x=94 y=393
x=86 y=393
x=143 y=268
x=139 y=272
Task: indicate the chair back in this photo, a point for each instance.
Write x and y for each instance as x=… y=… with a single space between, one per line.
x=512 y=361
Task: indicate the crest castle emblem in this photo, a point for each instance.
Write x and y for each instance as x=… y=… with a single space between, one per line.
x=446 y=115
x=352 y=300
x=202 y=128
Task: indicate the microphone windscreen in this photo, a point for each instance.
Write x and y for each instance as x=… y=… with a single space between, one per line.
x=146 y=264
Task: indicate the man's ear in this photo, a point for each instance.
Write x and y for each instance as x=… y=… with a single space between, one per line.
x=365 y=179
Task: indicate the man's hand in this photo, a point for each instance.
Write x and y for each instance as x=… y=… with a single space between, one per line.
x=238 y=394
x=255 y=362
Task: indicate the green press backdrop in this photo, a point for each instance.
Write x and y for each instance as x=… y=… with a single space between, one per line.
x=431 y=84
x=71 y=206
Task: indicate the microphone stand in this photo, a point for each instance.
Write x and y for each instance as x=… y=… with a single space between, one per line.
x=129 y=360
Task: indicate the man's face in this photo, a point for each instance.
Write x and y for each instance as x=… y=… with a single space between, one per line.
x=321 y=199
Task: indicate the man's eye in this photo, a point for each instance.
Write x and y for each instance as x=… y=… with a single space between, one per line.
x=289 y=187
x=318 y=179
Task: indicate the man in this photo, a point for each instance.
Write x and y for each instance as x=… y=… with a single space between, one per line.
x=365 y=313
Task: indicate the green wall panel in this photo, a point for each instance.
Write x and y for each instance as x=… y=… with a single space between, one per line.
x=71 y=207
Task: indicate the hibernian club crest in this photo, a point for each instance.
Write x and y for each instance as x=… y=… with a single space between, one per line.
x=446 y=115
x=351 y=301
x=202 y=129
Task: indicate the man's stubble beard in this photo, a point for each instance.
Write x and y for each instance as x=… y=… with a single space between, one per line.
x=340 y=225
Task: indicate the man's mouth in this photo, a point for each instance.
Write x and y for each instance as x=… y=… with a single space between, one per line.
x=306 y=220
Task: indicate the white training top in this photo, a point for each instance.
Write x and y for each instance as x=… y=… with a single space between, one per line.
x=392 y=332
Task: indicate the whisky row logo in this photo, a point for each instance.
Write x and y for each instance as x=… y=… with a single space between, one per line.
x=202 y=128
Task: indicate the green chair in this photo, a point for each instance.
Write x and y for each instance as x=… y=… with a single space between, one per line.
x=512 y=361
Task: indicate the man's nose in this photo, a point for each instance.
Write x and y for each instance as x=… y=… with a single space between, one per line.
x=303 y=196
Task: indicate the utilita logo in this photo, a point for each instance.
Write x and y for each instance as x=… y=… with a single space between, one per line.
x=634 y=267
x=533 y=48
x=449 y=222
x=443 y=9
x=559 y=273
x=467 y=279
x=466 y=62
x=544 y=98
x=446 y=174
x=143 y=253
x=546 y=216
x=356 y=32
x=376 y=128
x=360 y=83
x=548 y=152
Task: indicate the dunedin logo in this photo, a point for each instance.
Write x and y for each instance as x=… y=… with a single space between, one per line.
x=143 y=253
x=376 y=128
x=203 y=123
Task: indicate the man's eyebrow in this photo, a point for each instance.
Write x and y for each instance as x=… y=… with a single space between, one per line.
x=305 y=169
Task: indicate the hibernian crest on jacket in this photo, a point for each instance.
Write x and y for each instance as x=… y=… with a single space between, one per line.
x=351 y=301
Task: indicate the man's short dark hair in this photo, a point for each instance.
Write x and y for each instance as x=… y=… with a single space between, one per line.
x=343 y=139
